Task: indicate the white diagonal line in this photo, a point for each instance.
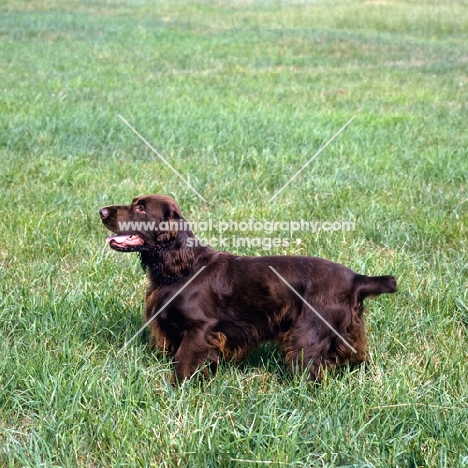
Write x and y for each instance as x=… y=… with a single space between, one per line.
x=161 y=157
x=312 y=158
x=162 y=308
x=312 y=309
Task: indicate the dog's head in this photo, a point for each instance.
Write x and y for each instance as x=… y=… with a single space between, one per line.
x=149 y=222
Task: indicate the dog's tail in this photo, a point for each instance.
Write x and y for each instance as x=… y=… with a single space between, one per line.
x=374 y=285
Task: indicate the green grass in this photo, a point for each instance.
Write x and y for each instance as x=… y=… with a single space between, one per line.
x=237 y=96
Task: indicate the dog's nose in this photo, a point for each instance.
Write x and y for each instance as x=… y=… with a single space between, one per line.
x=104 y=212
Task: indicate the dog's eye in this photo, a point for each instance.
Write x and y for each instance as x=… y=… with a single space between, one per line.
x=140 y=209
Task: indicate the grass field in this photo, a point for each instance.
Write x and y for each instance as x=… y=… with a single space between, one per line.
x=237 y=96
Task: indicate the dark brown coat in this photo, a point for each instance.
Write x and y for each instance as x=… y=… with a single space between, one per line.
x=238 y=302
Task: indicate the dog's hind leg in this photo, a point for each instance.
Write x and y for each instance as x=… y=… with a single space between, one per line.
x=315 y=345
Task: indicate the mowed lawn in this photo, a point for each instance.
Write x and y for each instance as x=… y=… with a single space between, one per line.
x=237 y=97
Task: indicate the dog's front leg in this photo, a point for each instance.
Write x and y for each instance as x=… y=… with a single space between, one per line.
x=193 y=351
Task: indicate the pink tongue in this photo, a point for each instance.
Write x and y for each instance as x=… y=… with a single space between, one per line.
x=119 y=239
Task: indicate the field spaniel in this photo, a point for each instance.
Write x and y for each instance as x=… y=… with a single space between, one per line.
x=204 y=304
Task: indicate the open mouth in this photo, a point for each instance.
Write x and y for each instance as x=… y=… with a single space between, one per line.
x=125 y=242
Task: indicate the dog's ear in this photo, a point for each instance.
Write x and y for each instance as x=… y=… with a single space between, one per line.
x=178 y=259
x=172 y=211
x=170 y=222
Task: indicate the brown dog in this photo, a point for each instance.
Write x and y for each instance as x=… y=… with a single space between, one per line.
x=311 y=307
